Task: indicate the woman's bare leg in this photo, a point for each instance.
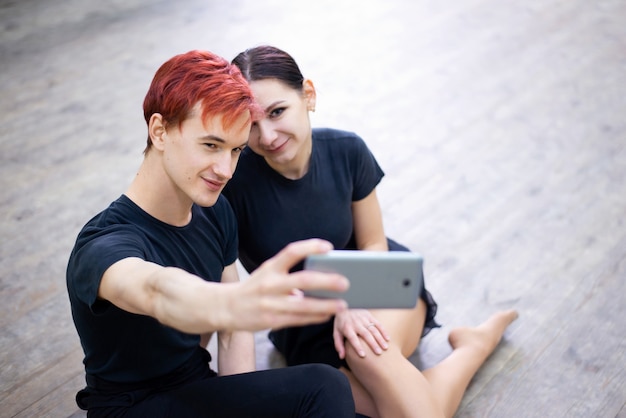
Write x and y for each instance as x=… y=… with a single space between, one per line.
x=470 y=348
x=362 y=399
x=393 y=385
x=406 y=333
x=386 y=385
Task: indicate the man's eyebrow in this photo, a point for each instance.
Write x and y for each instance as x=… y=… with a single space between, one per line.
x=212 y=138
x=220 y=140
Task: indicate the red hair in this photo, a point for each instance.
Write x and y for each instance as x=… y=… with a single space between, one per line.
x=199 y=76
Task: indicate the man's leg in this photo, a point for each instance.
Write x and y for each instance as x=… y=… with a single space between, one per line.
x=312 y=390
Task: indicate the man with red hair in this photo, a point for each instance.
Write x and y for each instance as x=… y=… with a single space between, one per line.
x=153 y=275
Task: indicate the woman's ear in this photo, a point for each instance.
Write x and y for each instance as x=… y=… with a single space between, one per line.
x=310 y=96
x=156 y=130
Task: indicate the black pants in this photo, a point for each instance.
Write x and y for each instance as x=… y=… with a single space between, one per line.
x=313 y=390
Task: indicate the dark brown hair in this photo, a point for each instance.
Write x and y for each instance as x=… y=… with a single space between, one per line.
x=263 y=62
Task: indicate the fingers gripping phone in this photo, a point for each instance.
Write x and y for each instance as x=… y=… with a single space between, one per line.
x=378 y=279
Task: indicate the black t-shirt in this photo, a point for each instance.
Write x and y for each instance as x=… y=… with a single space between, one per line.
x=120 y=346
x=273 y=211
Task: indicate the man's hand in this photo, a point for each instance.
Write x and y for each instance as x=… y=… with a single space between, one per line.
x=272 y=297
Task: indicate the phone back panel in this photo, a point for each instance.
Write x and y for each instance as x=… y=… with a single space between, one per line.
x=378 y=279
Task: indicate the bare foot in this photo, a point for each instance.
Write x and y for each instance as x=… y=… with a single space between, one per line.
x=484 y=337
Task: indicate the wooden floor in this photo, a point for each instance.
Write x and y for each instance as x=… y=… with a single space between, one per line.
x=501 y=126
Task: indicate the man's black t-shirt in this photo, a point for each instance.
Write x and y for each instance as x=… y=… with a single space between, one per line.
x=120 y=346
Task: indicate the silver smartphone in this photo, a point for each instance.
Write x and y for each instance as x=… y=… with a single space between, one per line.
x=378 y=279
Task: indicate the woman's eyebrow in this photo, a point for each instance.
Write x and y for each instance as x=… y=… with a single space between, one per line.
x=273 y=105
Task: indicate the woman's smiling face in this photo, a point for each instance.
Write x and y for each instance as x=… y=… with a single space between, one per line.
x=283 y=135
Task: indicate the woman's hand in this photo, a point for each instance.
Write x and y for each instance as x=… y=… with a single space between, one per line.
x=357 y=325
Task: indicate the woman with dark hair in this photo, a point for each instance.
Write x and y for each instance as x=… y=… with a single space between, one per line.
x=295 y=182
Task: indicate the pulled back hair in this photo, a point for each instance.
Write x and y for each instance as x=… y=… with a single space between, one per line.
x=263 y=62
x=198 y=76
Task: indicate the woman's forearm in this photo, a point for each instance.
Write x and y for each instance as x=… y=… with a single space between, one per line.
x=235 y=352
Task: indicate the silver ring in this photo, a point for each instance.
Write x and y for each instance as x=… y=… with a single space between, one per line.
x=371 y=324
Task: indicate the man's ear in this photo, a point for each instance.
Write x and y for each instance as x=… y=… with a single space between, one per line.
x=157 y=131
x=308 y=89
